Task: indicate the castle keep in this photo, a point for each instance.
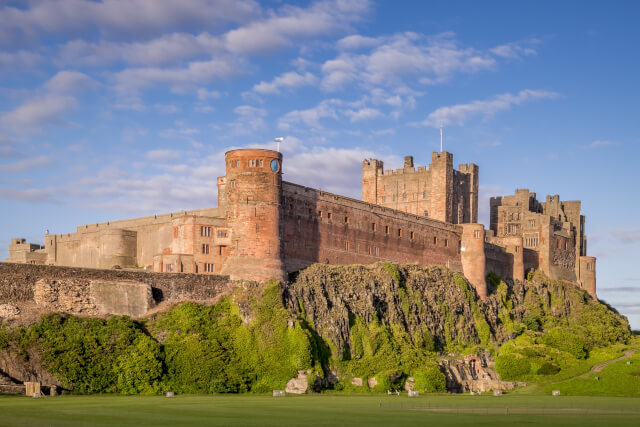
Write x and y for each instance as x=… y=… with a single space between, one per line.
x=265 y=228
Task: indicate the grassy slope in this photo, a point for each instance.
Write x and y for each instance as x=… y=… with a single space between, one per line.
x=318 y=410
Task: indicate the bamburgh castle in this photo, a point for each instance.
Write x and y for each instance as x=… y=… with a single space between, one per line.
x=265 y=228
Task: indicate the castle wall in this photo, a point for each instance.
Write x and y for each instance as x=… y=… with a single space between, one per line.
x=252 y=197
x=96 y=291
x=438 y=192
x=327 y=228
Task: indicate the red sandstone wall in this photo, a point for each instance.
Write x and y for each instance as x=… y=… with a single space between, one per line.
x=326 y=228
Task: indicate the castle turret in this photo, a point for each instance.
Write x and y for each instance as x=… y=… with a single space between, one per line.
x=252 y=194
x=473 y=257
x=442 y=186
x=587 y=274
x=371 y=168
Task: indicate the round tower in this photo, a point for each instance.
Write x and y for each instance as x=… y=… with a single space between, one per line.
x=251 y=194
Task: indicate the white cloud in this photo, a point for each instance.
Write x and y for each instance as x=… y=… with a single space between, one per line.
x=179 y=79
x=310 y=117
x=457 y=115
x=68 y=82
x=11 y=62
x=290 y=23
x=164 y=50
x=357 y=41
x=166 y=108
x=162 y=155
x=512 y=50
x=25 y=165
x=251 y=119
x=32 y=114
x=119 y=18
x=29 y=195
x=204 y=94
x=286 y=80
x=363 y=114
x=402 y=55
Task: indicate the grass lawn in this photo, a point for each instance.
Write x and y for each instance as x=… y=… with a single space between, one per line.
x=318 y=410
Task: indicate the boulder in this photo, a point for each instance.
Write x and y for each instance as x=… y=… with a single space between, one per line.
x=299 y=384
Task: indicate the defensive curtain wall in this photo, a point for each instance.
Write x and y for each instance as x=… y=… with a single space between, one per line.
x=85 y=291
x=265 y=228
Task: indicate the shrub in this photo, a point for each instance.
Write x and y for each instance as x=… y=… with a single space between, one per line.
x=566 y=341
x=548 y=368
x=430 y=379
x=532 y=322
x=84 y=354
x=511 y=367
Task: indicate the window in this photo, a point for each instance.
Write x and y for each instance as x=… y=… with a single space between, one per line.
x=426 y=214
x=346 y=246
x=320 y=214
x=566 y=246
x=252 y=163
x=346 y=219
x=329 y=215
x=532 y=223
x=386 y=229
x=233 y=183
x=435 y=240
x=369 y=250
x=476 y=234
x=205 y=248
x=590 y=266
x=399 y=232
x=517 y=249
x=374 y=226
x=558 y=243
x=260 y=163
x=222 y=233
x=220 y=250
x=375 y=251
x=404 y=196
x=169 y=268
x=424 y=195
x=205 y=231
x=384 y=199
x=446 y=243
x=412 y=235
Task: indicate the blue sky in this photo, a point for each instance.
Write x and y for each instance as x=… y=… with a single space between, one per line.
x=113 y=108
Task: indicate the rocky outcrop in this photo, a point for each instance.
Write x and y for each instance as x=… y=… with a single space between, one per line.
x=8 y=310
x=474 y=373
x=426 y=302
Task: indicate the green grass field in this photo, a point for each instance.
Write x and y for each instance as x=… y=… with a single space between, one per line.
x=318 y=410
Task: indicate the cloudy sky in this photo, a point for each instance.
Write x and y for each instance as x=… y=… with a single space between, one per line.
x=115 y=108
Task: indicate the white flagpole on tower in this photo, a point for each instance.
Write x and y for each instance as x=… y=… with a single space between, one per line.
x=441 y=137
x=278 y=141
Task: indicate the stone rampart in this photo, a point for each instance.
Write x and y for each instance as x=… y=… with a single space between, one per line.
x=99 y=292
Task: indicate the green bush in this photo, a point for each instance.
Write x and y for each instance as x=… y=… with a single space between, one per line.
x=565 y=340
x=86 y=354
x=511 y=367
x=532 y=322
x=429 y=379
x=548 y=368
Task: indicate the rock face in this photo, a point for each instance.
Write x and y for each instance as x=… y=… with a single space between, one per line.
x=434 y=304
x=8 y=310
x=474 y=373
x=298 y=385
